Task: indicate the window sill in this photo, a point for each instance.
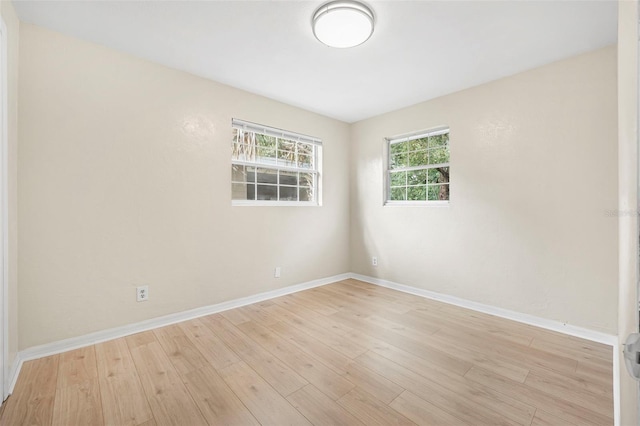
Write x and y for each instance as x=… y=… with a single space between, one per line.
x=418 y=203
x=253 y=203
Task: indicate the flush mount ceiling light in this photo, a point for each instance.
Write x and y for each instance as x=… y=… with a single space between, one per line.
x=343 y=23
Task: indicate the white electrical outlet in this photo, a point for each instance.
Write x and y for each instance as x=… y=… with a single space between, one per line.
x=374 y=261
x=276 y=272
x=142 y=293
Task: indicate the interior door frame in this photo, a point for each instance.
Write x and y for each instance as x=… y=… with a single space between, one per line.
x=4 y=234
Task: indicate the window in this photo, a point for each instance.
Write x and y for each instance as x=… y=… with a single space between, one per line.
x=418 y=167
x=273 y=167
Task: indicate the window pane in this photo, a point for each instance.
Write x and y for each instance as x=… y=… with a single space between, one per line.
x=417 y=177
x=251 y=174
x=433 y=192
x=288 y=178
x=251 y=192
x=238 y=173
x=433 y=175
x=444 y=192
x=418 y=144
x=439 y=155
x=398 y=178
x=306 y=179
x=398 y=160
x=265 y=141
x=266 y=154
x=438 y=192
x=417 y=193
x=288 y=193
x=444 y=171
x=305 y=149
x=306 y=194
x=268 y=176
x=235 y=150
x=286 y=145
x=286 y=158
x=417 y=158
x=243 y=137
x=439 y=140
x=439 y=175
x=243 y=152
x=267 y=192
x=398 y=194
x=305 y=161
x=398 y=148
x=239 y=191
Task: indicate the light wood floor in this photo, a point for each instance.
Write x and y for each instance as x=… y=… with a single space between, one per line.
x=347 y=353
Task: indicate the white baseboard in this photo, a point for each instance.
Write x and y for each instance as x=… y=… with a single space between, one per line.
x=583 y=333
x=616 y=384
x=150 y=324
x=14 y=370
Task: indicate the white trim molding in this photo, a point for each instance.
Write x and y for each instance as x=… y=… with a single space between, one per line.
x=616 y=383
x=4 y=212
x=53 y=348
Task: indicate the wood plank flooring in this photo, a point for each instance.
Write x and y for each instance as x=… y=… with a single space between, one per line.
x=348 y=353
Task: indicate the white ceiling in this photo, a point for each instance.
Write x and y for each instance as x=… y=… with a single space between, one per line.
x=419 y=50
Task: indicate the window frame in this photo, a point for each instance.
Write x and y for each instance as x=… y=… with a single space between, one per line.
x=315 y=170
x=406 y=137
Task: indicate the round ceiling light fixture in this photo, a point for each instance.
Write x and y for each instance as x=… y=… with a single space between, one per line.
x=343 y=23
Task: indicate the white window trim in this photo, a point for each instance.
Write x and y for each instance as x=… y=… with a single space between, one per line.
x=271 y=203
x=418 y=135
x=292 y=136
x=387 y=179
x=272 y=166
x=273 y=131
x=429 y=203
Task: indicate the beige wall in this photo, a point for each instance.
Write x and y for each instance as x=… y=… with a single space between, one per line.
x=13 y=29
x=125 y=180
x=628 y=201
x=533 y=171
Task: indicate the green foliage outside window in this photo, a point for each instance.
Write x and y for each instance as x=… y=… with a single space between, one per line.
x=419 y=169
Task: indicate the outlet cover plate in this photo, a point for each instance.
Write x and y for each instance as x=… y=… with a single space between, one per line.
x=142 y=293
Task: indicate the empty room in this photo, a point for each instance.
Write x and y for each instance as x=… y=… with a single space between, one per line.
x=319 y=213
